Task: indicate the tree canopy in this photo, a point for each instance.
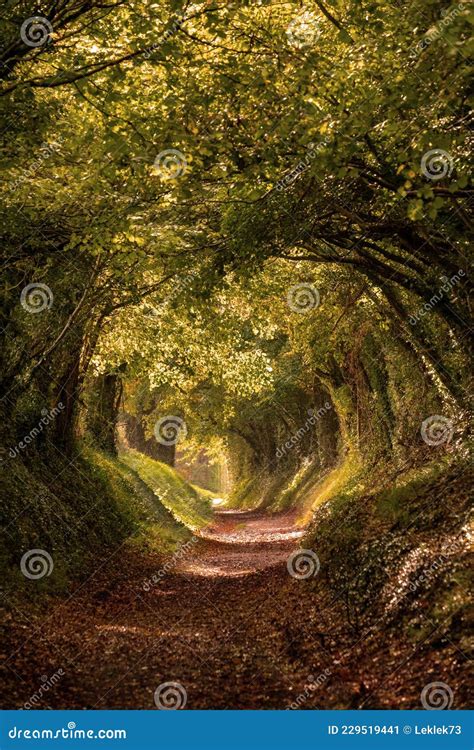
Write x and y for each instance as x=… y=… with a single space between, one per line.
x=172 y=170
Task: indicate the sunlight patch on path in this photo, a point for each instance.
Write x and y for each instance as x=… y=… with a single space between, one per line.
x=217 y=501
x=241 y=543
x=250 y=536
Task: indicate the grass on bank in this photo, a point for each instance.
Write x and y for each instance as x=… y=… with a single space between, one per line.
x=80 y=511
x=187 y=503
x=306 y=490
x=399 y=538
x=312 y=491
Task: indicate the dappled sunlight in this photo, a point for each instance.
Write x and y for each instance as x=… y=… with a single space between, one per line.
x=229 y=548
x=249 y=536
x=203 y=568
x=216 y=501
x=127 y=630
x=235 y=354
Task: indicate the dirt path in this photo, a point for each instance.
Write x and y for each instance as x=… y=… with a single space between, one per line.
x=240 y=543
x=228 y=623
x=209 y=624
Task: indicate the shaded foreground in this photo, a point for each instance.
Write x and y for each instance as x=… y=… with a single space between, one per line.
x=229 y=624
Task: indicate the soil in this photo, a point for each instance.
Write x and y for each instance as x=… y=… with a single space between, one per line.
x=226 y=621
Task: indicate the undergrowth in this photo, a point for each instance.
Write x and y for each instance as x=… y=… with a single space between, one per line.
x=401 y=544
x=188 y=504
x=81 y=511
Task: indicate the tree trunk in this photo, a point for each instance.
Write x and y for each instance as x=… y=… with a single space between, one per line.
x=66 y=397
x=104 y=398
x=135 y=438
